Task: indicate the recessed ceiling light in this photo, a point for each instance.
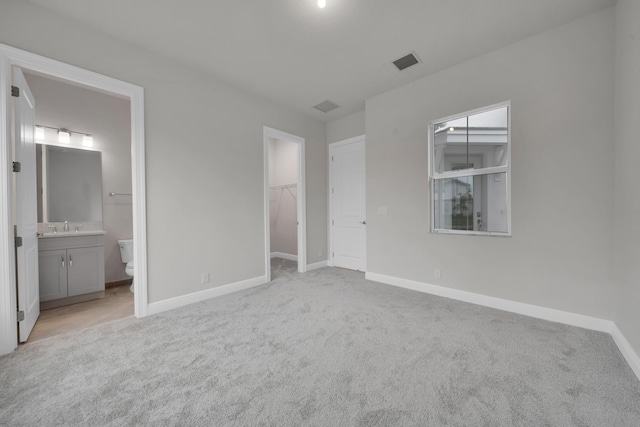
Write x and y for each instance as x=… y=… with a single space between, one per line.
x=322 y=3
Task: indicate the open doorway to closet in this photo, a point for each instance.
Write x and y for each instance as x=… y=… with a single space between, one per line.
x=285 y=219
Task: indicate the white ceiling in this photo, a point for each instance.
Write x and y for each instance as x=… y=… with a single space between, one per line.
x=299 y=55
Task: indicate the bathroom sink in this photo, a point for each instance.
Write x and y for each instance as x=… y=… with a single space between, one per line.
x=50 y=234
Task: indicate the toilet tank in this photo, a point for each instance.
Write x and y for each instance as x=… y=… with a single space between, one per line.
x=126 y=250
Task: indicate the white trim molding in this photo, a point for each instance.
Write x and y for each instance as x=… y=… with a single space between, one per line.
x=317 y=265
x=12 y=57
x=269 y=133
x=8 y=297
x=572 y=319
x=181 y=301
x=544 y=313
x=435 y=176
x=625 y=348
x=284 y=256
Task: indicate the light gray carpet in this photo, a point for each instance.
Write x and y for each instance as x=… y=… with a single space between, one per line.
x=326 y=348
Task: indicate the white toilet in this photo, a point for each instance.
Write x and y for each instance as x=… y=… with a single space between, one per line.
x=126 y=253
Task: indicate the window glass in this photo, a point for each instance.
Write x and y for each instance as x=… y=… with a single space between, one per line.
x=471 y=142
x=471 y=203
x=470 y=172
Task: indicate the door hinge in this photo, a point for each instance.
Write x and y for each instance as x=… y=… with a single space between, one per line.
x=333 y=223
x=333 y=254
x=20 y=316
x=15 y=91
x=332 y=158
x=17 y=166
x=18 y=241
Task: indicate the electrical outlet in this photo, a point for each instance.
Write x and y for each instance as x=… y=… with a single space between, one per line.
x=205 y=278
x=436 y=273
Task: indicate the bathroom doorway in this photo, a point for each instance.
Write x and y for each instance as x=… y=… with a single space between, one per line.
x=285 y=214
x=86 y=182
x=11 y=58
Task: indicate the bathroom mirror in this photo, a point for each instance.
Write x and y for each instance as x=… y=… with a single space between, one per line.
x=69 y=184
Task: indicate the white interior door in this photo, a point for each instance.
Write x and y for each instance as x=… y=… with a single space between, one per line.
x=25 y=202
x=348 y=207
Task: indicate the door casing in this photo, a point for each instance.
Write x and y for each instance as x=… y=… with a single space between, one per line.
x=10 y=56
x=270 y=133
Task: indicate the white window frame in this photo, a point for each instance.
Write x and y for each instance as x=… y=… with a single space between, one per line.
x=433 y=176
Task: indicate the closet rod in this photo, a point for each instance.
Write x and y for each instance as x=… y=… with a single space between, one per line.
x=278 y=187
x=285 y=187
x=119 y=194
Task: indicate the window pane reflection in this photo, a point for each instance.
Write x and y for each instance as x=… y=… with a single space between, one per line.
x=471 y=203
x=472 y=142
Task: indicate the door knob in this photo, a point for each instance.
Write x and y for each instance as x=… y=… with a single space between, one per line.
x=363 y=222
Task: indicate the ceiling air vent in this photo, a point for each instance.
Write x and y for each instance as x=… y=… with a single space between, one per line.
x=326 y=106
x=406 y=61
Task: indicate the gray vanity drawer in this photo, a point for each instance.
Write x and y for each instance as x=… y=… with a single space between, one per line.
x=70 y=242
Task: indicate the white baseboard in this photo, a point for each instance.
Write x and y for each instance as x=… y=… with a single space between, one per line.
x=553 y=315
x=544 y=313
x=284 y=256
x=579 y=320
x=627 y=351
x=171 y=303
x=316 y=265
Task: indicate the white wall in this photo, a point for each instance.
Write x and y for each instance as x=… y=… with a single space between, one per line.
x=626 y=265
x=560 y=84
x=204 y=154
x=283 y=170
x=108 y=119
x=346 y=127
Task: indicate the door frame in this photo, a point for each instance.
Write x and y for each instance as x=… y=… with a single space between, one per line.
x=270 y=133
x=9 y=57
x=332 y=146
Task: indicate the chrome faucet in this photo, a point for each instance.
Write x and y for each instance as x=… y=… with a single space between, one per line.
x=66 y=226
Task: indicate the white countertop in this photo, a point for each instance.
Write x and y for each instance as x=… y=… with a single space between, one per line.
x=51 y=234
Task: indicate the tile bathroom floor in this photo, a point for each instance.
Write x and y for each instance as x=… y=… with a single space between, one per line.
x=116 y=304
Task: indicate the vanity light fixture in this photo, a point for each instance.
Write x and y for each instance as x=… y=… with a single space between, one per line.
x=87 y=140
x=64 y=136
x=322 y=3
x=39 y=132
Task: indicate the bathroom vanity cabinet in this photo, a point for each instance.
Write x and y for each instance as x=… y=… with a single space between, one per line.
x=71 y=269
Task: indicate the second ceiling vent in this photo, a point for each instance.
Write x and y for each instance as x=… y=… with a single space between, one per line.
x=406 y=61
x=326 y=106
